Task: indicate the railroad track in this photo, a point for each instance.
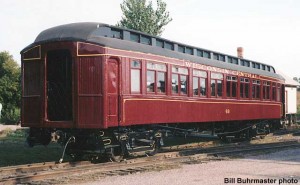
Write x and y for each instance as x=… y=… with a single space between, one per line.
x=170 y=159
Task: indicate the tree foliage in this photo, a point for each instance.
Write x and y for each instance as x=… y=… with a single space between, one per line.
x=10 y=88
x=140 y=15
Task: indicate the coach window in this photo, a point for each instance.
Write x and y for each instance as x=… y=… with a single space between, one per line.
x=179 y=80
x=135 y=76
x=231 y=86
x=256 y=89
x=266 y=90
x=156 y=77
x=199 y=83
x=244 y=87
x=278 y=92
x=274 y=91
x=206 y=54
x=216 y=84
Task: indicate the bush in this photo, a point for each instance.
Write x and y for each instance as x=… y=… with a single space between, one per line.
x=11 y=117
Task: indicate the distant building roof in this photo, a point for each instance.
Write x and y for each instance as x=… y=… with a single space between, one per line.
x=288 y=80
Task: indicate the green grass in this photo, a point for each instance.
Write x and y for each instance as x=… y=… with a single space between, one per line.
x=13 y=150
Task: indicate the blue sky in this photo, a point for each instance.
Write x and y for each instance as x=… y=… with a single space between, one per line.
x=269 y=30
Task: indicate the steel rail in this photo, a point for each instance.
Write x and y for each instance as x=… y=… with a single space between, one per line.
x=129 y=166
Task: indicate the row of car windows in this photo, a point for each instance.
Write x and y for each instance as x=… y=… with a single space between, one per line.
x=169 y=45
x=156 y=83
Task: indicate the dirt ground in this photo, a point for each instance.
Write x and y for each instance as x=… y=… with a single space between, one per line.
x=10 y=127
x=276 y=168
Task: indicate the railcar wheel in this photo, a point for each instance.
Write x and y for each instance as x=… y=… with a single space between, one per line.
x=76 y=156
x=156 y=144
x=115 y=154
x=155 y=148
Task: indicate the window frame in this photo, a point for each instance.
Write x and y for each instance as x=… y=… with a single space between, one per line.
x=200 y=76
x=230 y=79
x=243 y=83
x=266 y=90
x=139 y=68
x=156 y=72
x=179 y=77
x=279 y=93
x=274 y=92
x=216 y=80
x=256 y=89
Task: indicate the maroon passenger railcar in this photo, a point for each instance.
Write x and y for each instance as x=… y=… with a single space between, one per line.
x=91 y=80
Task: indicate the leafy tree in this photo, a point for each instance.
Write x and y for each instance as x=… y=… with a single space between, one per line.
x=10 y=88
x=296 y=79
x=141 y=16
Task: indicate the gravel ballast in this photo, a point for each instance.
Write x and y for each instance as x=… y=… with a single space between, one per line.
x=280 y=167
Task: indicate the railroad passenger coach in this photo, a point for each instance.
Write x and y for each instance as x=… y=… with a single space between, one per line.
x=87 y=78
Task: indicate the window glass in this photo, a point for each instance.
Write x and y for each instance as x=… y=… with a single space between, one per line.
x=179 y=80
x=183 y=83
x=135 y=64
x=244 y=87
x=217 y=76
x=135 y=80
x=175 y=83
x=203 y=87
x=155 y=66
x=222 y=58
x=216 y=56
x=199 y=53
x=169 y=46
x=220 y=88
x=159 y=43
x=274 y=91
x=150 y=81
x=199 y=76
x=231 y=86
x=195 y=86
x=278 y=92
x=145 y=40
x=217 y=80
x=181 y=49
x=234 y=60
x=246 y=90
x=213 y=88
x=161 y=82
x=200 y=73
x=116 y=33
x=189 y=50
x=228 y=88
x=266 y=90
x=134 y=37
x=156 y=77
x=135 y=76
x=206 y=54
x=256 y=89
x=234 y=89
x=245 y=63
x=180 y=70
